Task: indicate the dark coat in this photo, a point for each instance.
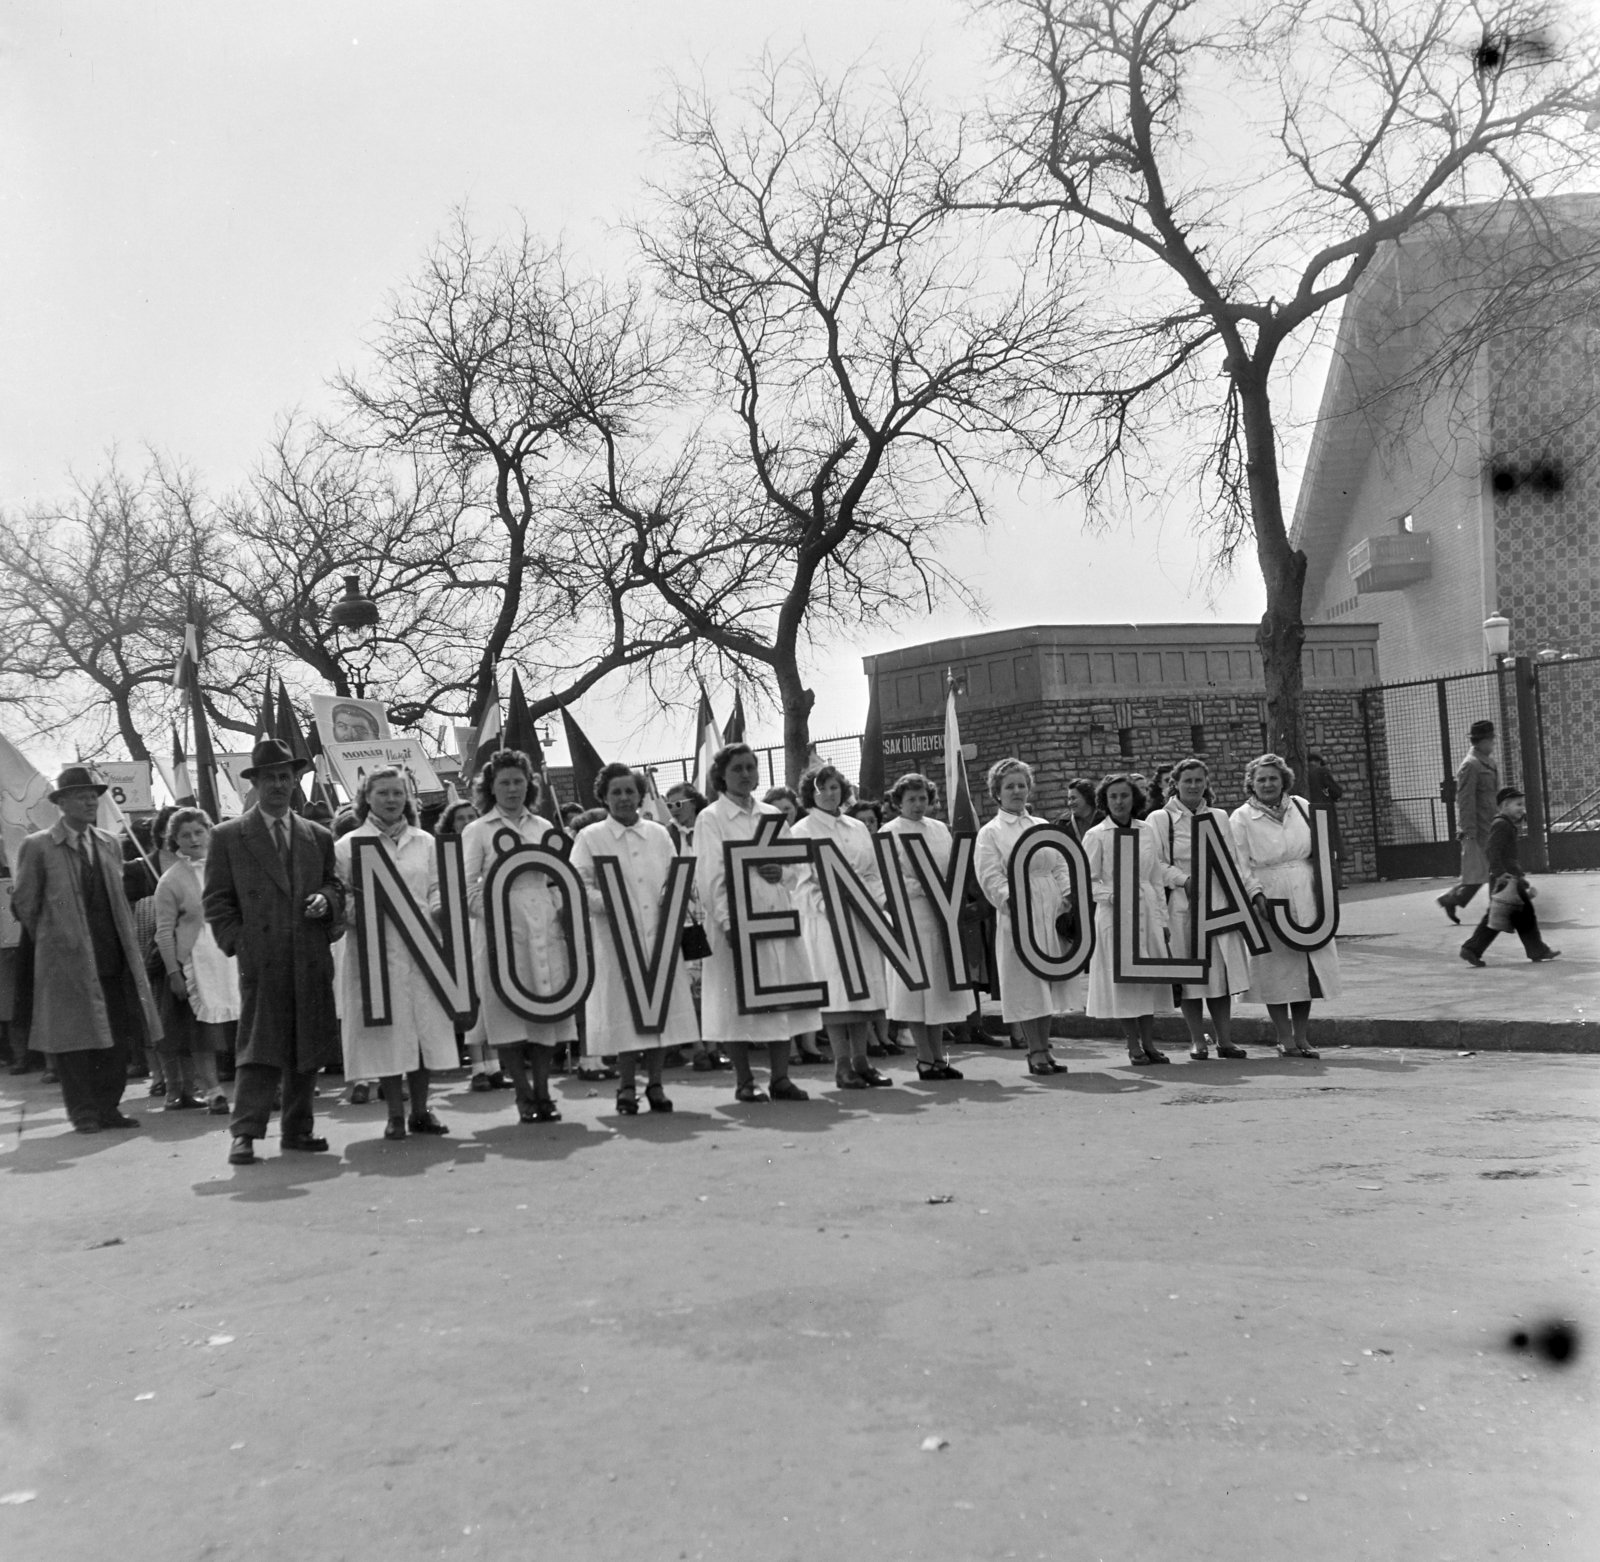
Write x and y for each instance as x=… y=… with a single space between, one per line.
x=69 y=1009
x=287 y=1017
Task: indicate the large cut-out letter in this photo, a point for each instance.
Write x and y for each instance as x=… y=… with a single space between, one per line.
x=749 y=928
x=646 y=976
x=1129 y=963
x=517 y=858
x=1217 y=900
x=848 y=904
x=1325 y=883
x=1019 y=888
x=444 y=954
x=946 y=892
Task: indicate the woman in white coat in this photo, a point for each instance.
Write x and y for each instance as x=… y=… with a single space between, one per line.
x=849 y=1022
x=644 y=852
x=1133 y=1005
x=422 y=1036
x=200 y=1008
x=733 y=815
x=1027 y=1002
x=538 y=939
x=1171 y=829
x=1272 y=835
x=925 y=1013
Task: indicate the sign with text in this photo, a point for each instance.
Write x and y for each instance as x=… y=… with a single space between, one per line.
x=129 y=780
x=911 y=748
x=351 y=762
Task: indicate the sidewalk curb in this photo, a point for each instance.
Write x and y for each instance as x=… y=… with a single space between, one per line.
x=1353 y=1031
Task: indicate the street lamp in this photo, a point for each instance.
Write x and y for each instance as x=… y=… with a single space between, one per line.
x=354 y=619
x=1497 y=636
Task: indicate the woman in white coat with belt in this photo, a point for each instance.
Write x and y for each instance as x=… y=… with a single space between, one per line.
x=734 y=815
x=1133 y=1005
x=1272 y=834
x=421 y=1036
x=849 y=1022
x=1027 y=1002
x=644 y=853
x=925 y=1014
x=538 y=940
x=1171 y=828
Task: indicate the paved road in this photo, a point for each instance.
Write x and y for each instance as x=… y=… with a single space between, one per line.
x=1250 y=1311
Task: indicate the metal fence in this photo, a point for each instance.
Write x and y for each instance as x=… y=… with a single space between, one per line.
x=845 y=753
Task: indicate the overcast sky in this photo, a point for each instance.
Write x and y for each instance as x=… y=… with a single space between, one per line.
x=204 y=206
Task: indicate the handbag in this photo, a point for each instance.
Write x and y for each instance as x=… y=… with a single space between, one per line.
x=1505 y=903
x=693 y=943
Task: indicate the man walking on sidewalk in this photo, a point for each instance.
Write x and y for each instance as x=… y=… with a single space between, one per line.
x=1477 y=781
x=1507 y=884
x=272 y=898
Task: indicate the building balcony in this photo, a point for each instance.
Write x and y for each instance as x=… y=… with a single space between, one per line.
x=1391 y=563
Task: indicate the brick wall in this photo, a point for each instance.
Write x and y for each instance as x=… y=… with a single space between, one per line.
x=1066 y=739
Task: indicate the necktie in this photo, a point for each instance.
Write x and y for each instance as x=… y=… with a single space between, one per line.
x=85 y=859
x=281 y=830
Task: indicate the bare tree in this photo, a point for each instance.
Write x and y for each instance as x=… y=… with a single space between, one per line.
x=853 y=355
x=95 y=592
x=500 y=363
x=1232 y=174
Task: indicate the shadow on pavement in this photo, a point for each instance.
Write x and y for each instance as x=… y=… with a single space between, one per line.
x=290 y=1175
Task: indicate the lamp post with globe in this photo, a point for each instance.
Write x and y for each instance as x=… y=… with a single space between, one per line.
x=354 y=620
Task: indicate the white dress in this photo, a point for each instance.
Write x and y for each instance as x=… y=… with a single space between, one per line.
x=1024 y=996
x=423 y=1035
x=854 y=841
x=781 y=961
x=538 y=940
x=645 y=852
x=1275 y=861
x=1171 y=834
x=939 y=1003
x=1110 y=999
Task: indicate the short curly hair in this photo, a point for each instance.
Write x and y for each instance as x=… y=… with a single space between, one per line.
x=1267 y=762
x=181 y=817
x=820 y=775
x=914 y=781
x=1002 y=768
x=720 y=761
x=1119 y=778
x=505 y=759
x=363 y=800
x=610 y=773
x=691 y=791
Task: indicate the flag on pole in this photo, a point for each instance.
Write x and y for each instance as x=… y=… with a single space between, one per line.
x=734 y=731
x=290 y=731
x=958 y=799
x=205 y=758
x=870 y=779
x=586 y=761
x=267 y=721
x=485 y=738
x=707 y=740
x=176 y=773
x=25 y=804
x=520 y=731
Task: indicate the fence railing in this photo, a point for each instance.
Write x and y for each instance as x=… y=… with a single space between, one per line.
x=844 y=752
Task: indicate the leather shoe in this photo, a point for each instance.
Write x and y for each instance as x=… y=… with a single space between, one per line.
x=89 y=1125
x=1544 y=954
x=243 y=1152
x=425 y=1123
x=302 y=1142
x=118 y=1120
x=1448 y=906
x=786 y=1090
x=1471 y=958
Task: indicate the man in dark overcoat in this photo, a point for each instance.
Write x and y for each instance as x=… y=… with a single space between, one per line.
x=91 y=1001
x=1477 y=781
x=273 y=900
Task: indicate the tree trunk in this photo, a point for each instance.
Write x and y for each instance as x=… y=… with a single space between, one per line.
x=797 y=701
x=1282 y=633
x=130 y=733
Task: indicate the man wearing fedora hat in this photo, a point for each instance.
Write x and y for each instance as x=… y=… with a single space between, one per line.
x=273 y=900
x=91 y=1001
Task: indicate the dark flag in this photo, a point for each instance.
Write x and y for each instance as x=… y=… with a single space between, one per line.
x=734 y=731
x=870 y=783
x=267 y=721
x=586 y=762
x=520 y=732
